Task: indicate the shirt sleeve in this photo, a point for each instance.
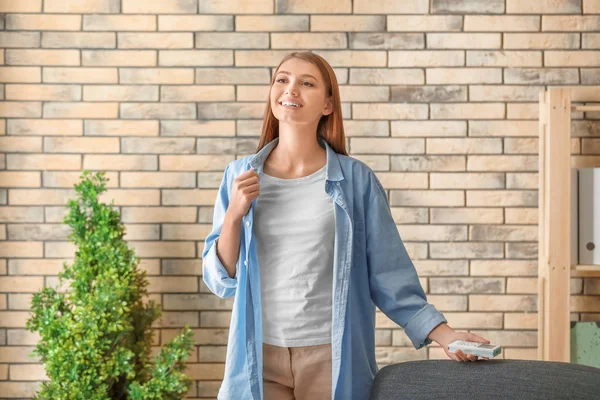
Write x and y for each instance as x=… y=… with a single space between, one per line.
x=393 y=280
x=214 y=273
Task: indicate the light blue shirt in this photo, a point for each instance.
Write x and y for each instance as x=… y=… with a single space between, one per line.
x=371 y=268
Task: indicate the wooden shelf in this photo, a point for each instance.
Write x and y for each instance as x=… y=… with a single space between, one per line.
x=585 y=108
x=585 y=271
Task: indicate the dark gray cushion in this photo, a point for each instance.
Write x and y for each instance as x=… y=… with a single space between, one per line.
x=490 y=379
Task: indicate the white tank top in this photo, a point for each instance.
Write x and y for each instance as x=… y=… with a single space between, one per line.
x=294 y=227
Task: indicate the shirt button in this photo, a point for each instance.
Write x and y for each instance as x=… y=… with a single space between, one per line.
x=245 y=262
x=247 y=223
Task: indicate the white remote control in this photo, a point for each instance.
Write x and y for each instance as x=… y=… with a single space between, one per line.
x=475 y=348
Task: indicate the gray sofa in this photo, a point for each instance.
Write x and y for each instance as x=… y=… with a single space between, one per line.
x=491 y=379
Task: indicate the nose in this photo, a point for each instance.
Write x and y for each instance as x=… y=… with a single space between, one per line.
x=292 y=89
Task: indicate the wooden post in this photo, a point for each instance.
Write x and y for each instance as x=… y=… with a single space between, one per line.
x=555 y=227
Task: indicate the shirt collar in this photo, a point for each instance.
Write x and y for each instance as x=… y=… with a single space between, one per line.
x=333 y=169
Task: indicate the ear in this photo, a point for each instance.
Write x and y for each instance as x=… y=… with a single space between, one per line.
x=328 y=107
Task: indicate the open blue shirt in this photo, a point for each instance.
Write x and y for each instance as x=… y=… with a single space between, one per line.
x=371 y=268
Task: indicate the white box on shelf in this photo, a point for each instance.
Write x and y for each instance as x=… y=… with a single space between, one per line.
x=589 y=216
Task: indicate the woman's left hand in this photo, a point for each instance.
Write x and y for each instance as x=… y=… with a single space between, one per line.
x=444 y=335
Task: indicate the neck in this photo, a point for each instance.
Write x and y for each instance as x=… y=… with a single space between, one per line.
x=297 y=150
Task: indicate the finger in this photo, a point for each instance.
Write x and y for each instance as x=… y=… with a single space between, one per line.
x=461 y=355
x=475 y=338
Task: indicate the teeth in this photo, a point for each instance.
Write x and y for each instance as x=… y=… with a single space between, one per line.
x=286 y=103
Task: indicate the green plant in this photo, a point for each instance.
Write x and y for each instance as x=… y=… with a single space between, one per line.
x=96 y=337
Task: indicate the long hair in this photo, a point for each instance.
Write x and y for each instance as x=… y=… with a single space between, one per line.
x=330 y=127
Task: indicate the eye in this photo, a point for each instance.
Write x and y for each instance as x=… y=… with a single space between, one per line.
x=309 y=84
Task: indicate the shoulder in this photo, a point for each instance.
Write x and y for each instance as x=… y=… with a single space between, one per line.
x=362 y=177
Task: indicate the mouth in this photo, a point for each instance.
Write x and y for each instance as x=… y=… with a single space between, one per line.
x=289 y=105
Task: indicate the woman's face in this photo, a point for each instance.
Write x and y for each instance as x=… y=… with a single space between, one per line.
x=299 y=82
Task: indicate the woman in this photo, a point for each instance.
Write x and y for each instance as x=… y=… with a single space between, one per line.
x=304 y=239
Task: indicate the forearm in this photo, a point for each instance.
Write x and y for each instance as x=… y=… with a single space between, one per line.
x=228 y=243
x=440 y=333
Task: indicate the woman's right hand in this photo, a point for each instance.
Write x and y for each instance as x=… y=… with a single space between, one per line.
x=245 y=188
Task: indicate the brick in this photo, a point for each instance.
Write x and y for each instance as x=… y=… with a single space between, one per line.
x=45 y=231
x=186 y=197
x=522 y=250
x=156 y=75
x=591 y=41
x=58 y=250
x=389 y=111
x=502 y=163
x=235 y=7
x=225 y=146
x=20 y=6
x=520 y=320
x=158 y=214
x=194 y=162
x=137 y=197
x=81 y=110
x=571 y=23
x=197 y=93
x=541 y=41
x=502 y=128
x=42 y=57
x=502 y=198
x=463 y=75
x=20 y=145
x=428 y=163
x=155 y=40
x=504 y=93
x=374 y=128
x=522 y=285
x=347 y=92
x=503 y=268
x=421 y=23
x=194 y=58
x=15 y=109
x=119 y=23
x=23 y=214
x=522 y=215
x=467 y=111
x=385 y=76
x=42 y=162
x=385 y=41
x=196 y=23
x=158 y=111
x=543 y=7
x=171 y=284
x=506 y=233
x=159 y=7
x=464 y=146
x=21 y=283
x=185 y=231
x=120 y=93
x=591 y=7
x=84 y=40
x=164 y=249
x=19 y=39
x=190 y=267
x=230 y=110
x=502 y=303
x=209 y=180
x=20 y=74
x=467 y=7
x=522 y=110
x=81 y=145
x=43 y=22
x=354 y=58
x=82 y=6
x=121 y=128
x=422 y=232
x=549 y=76
x=429 y=128
x=390 y=7
x=469 y=215
x=387 y=145
x=196 y=302
x=235 y=40
x=313 y=6
x=466 y=250
x=318 y=23
x=28 y=373
x=197 y=128
x=40 y=197
x=501 y=23
x=208 y=388
x=580 y=58
x=119 y=58
x=590 y=76
x=427 y=198
x=43 y=92
x=466 y=285
x=158 y=145
x=259 y=58
x=80 y=75
x=45 y=127
x=158 y=180
x=463 y=40
x=504 y=58
x=448 y=302
x=466 y=181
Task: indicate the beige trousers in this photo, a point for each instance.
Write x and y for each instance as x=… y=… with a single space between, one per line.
x=297 y=373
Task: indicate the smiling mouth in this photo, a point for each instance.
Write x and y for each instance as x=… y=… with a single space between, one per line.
x=289 y=106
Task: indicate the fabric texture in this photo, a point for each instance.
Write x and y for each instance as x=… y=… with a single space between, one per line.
x=294 y=225
x=297 y=373
x=489 y=379
x=371 y=268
